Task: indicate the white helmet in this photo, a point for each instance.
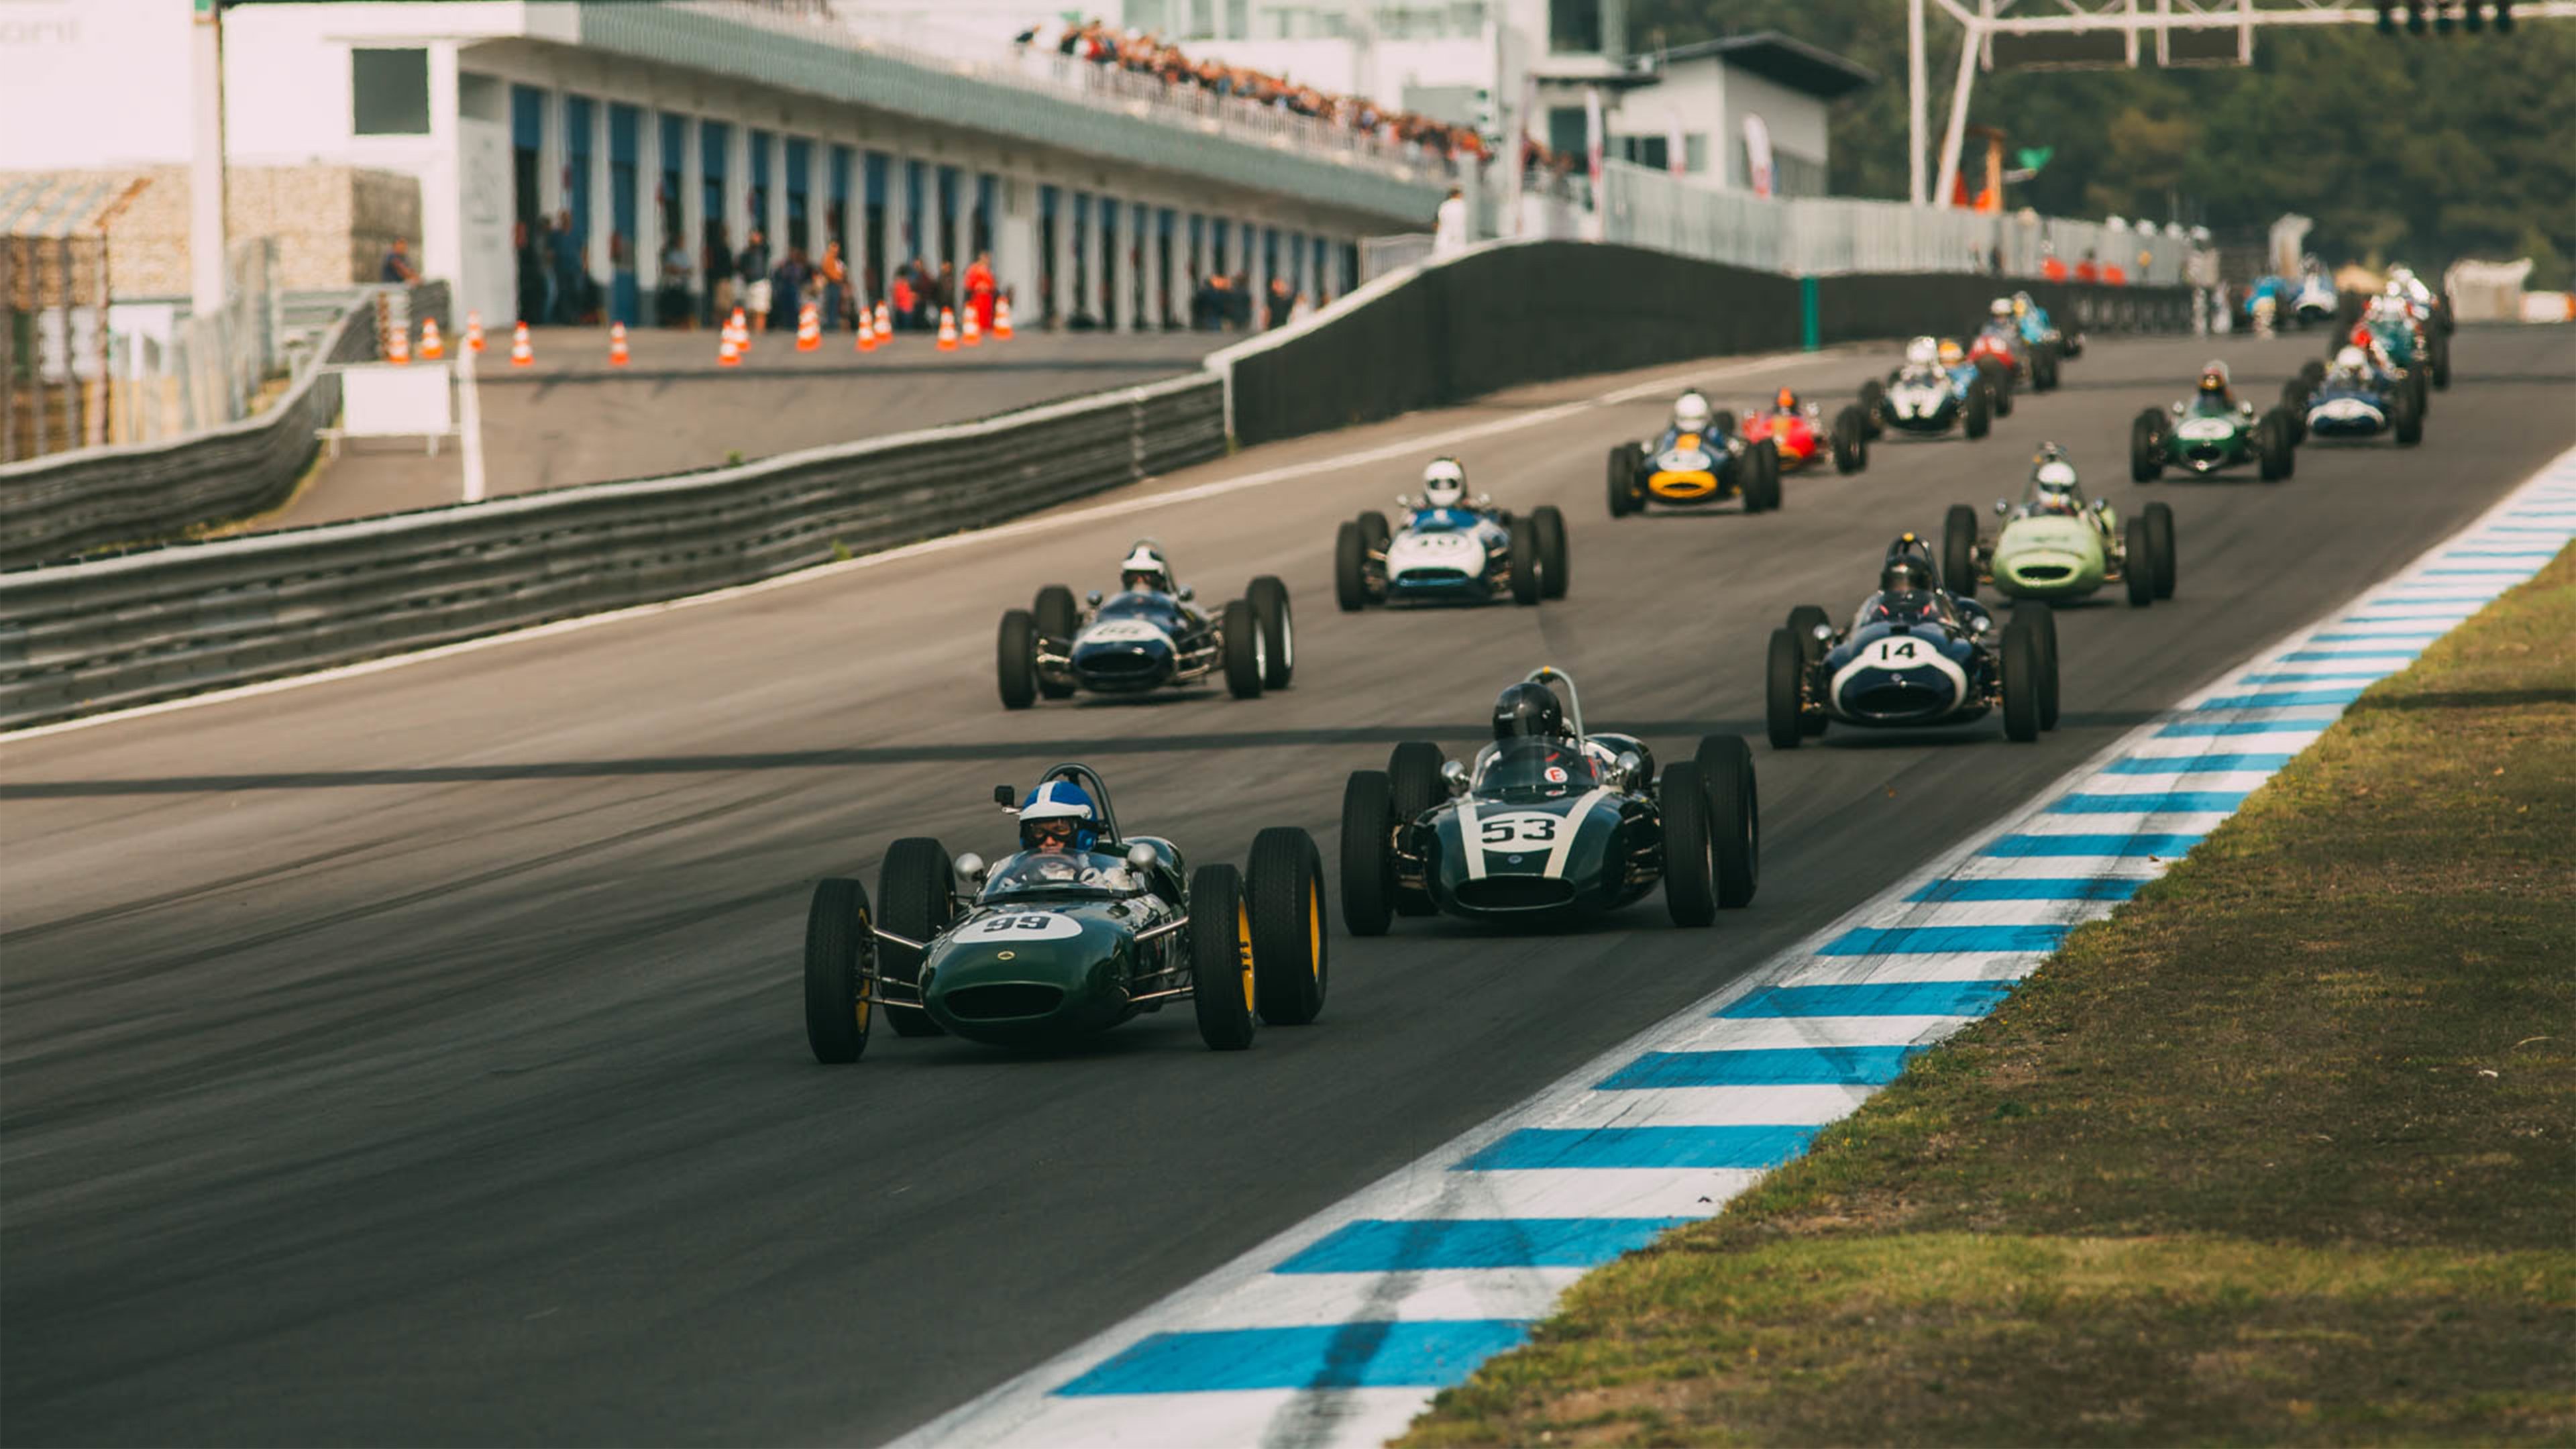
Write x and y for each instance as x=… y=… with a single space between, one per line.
x=1145 y=570
x=1444 y=483
x=2001 y=307
x=2055 y=477
x=2351 y=359
x=1691 y=412
x=1922 y=352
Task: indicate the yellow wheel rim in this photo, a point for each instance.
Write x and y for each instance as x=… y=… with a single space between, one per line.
x=1243 y=950
x=1315 y=928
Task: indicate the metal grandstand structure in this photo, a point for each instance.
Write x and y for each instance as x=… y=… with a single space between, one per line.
x=2117 y=34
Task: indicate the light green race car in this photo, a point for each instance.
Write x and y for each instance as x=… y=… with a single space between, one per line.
x=2055 y=545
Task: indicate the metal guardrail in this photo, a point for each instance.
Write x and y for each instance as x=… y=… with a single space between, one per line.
x=84 y=637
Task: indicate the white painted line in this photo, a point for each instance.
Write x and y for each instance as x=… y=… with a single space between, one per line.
x=1414 y=447
x=1625 y=1192
x=1949 y=966
x=1806 y=1105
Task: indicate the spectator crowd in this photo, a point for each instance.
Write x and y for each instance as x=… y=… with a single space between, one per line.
x=1144 y=54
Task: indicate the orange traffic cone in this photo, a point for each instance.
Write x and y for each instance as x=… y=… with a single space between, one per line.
x=885 y=325
x=432 y=348
x=973 y=335
x=728 y=355
x=809 y=328
x=617 y=344
x=740 y=328
x=521 y=354
x=1002 y=320
x=398 y=346
x=867 y=330
x=947 y=329
x=473 y=331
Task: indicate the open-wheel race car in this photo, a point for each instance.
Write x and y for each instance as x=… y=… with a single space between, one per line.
x=1450 y=549
x=2055 y=545
x=1550 y=825
x=1799 y=431
x=1915 y=655
x=1698 y=459
x=2355 y=400
x=1937 y=389
x=2018 y=362
x=1149 y=635
x=1081 y=929
x=2041 y=331
x=2212 y=430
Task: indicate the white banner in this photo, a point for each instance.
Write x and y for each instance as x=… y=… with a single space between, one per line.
x=1757 y=156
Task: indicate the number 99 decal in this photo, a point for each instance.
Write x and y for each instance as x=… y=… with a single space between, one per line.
x=1021 y=926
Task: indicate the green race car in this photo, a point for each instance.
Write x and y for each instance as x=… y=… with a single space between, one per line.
x=1082 y=929
x=2054 y=545
x=2211 y=430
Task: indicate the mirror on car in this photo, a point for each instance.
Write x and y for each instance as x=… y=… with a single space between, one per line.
x=971 y=867
x=1980 y=624
x=1824 y=633
x=1186 y=594
x=1092 y=598
x=1456 y=776
x=1141 y=856
x=2003 y=505
x=1005 y=796
x=1629 y=764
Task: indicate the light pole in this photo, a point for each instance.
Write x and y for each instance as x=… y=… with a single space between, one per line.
x=206 y=163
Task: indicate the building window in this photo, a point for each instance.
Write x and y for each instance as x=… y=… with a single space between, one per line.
x=1574 y=27
x=390 y=92
x=1653 y=152
x=1695 y=153
x=1568 y=133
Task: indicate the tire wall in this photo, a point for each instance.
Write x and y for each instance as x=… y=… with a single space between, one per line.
x=1503 y=316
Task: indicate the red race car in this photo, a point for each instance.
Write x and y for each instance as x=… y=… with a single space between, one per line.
x=1798 y=431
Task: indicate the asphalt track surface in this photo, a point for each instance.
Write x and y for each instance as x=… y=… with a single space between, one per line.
x=571 y=419
x=417 y=1057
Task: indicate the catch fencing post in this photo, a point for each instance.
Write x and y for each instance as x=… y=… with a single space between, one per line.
x=1808 y=331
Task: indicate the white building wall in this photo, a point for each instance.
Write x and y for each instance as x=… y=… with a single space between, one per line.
x=1796 y=120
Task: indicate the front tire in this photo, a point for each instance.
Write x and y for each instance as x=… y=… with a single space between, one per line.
x=1734 y=818
x=1056 y=616
x=2273 y=444
x=1977 y=416
x=1873 y=404
x=1850 y=442
x=1016 y=659
x=1623 y=480
x=1551 y=548
x=1414 y=786
x=1285 y=882
x=1690 y=874
x=1784 y=679
x=1244 y=664
x=2406 y=417
x=917 y=892
x=2024 y=676
x=1959 y=551
x=1278 y=630
x=2043 y=619
x=2138 y=569
x=1762 y=490
x=1221 y=957
x=1368 y=857
x=840 y=946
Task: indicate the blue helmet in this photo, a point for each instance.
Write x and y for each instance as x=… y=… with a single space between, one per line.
x=1059 y=801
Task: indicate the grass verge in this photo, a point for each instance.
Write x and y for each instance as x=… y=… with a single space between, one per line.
x=2283 y=1152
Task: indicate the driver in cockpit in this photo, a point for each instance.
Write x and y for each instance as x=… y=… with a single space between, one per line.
x=1059 y=830
x=1145 y=570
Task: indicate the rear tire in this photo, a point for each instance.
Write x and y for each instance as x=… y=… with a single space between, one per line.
x=1244 y=666
x=1278 y=630
x=2406 y=418
x=1017 y=659
x=2272 y=442
x=1762 y=489
x=1803 y=622
x=1977 y=416
x=1721 y=424
x=917 y=894
x=2294 y=406
x=1959 y=551
x=1368 y=860
x=1690 y=874
x=1221 y=958
x=1551 y=549
x=2147 y=447
x=1527 y=585
x=1055 y=613
x=1784 y=679
x=1734 y=818
x=1873 y=401
x=1414 y=786
x=1850 y=442
x=1373 y=527
x=1350 y=565
x=2138 y=569
x=1290 y=970
x=2024 y=672
x=838 y=948
x=2160 y=533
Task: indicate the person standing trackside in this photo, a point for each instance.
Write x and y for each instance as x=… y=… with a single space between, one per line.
x=674 y=308
x=833 y=280
x=1449 y=232
x=397 y=268
x=753 y=268
x=980 y=290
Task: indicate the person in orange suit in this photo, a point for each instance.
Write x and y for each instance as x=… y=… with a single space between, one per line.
x=981 y=290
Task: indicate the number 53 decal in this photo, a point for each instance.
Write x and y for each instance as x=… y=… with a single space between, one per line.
x=1503 y=831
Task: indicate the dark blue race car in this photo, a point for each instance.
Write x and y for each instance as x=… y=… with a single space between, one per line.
x=2356 y=400
x=1150 y=635
x=1914 y=655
